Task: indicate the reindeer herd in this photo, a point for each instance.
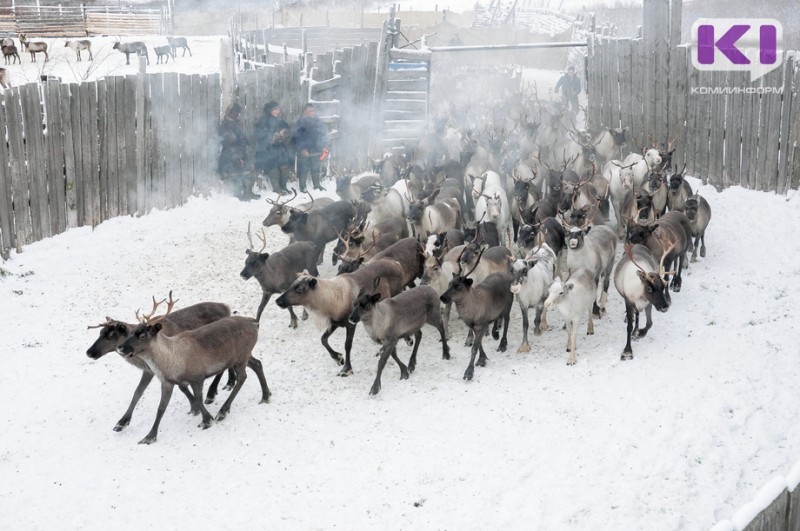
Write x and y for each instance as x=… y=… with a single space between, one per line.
x=476 y=217
x=11 y=52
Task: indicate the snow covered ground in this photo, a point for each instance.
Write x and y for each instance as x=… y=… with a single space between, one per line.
x=678 y=438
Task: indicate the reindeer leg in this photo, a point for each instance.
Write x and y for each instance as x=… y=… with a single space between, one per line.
x=335 y=355
x=648 y=323
x=496 y=329
x=703 y=246
x=197 y=388
x=231 y=379
x=403 y=368
x=257 y=368
x=212 y=389
x=589 y=325
x=435 y=320
x=304 y=316
x=694 y=251
x=292 y=318
x=263 y=304
x=525 y=347
x=471 y=367
x=627 y=353
x=188 y=394
x=147 y=377
x=226 y=407
x=504 y=339
x=385 y=351
x=479 y=335
x=412 y=361
x=166 y=394
x=347 y=369
x=446 y=319
x=570 y=345
x=540 y=321
x=676 y=280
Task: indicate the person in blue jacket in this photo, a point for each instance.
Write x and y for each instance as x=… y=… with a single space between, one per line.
x=272 y=151
x=310 y=139
x=570 y=85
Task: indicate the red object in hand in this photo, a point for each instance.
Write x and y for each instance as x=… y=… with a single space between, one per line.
x=324 y=154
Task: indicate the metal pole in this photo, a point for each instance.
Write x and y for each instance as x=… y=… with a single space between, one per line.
x=521 y=46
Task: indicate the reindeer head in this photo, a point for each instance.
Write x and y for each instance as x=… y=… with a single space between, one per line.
x=148 y=329
x=298 y=292
x=461 y=283
x=255 y=259
x=280 y=211
x=113 y=334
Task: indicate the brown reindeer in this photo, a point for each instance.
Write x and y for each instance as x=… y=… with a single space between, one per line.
x=192 y=356
x=33 y=47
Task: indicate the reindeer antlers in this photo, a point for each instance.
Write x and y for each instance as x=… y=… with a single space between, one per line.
x=148 y=319
x=101 y=325
x=278 y=203
x=262 y=237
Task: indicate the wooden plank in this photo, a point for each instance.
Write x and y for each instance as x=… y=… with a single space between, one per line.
x=77 y=136
x=731 y=170
x=773 y=79
x=55 y=166
x=786 y=109
x=649 y=32
x=678 y=91
x=197 y=129
x=142 y=175
x=35 y=156
x=112 y=171
x=704 y=104
x=70 y=169
x=158 y=168
x=793 y=145
x=187 y=136
x=7 y=236
x=171 y=141
x=763 y=133
x=213 y=120
x=716 y=121
x=122 y=151
x=130 y=142
x=146 y=135
x=89 y=184
x=19 y=175
x=102 y=143
x=638 y=134
x=613 y=85
x=94 y=156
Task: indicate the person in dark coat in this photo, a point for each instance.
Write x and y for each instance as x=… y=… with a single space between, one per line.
x=570 y=85
x=310 y=139
x=273 y=158
x=234 y=165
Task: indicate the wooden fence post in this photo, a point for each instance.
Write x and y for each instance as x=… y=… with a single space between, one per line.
x=227 y=69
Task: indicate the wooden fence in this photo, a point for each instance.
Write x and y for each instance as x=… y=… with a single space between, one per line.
x=728 y=131
x=79 y=154
x=80 y=21
x=122 y=145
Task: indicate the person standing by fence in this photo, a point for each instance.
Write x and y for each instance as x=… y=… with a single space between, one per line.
x=272 y=151
x=570 y=86
x=310 y=138
x=234 y=165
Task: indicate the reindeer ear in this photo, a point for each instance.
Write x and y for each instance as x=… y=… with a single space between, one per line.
x=376 y=282
x=263 y=257
x=642 y=275
x=247 y=252
x=588 y=228
x=312 y=283
x=375 y=297
x=157 y=327
x=468 y=281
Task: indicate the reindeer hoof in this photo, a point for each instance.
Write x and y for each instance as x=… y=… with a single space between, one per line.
x=293 y=324
x=523 y=348
x=375 y=389
x=205 y=424
x=208 y=400
x=221 y=416
x=626 y=356
x=122 y=424
x=468 y=375
x=148 y=440
x=502 y=347
x=571 y=361
x=345 y=372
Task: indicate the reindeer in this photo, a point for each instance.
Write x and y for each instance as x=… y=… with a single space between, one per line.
x=319 y=226
x=33 y=47
x=113 y=334
x=280 y=212
x=640 y=281
x=492 y=203
x=83 y=44
x=620 y=182
x=430 y=216
x=678 y=191
x=480 y=305
x=137 y=47
x=532 y=279
x=573 y=299
x=387 y=320
x=9 y=50
x=672 y=228
x=330 y=301
x=194 y=355
x=178 y=42
x=275 y=272
x=165 y=52
x=698 y=211
x=593 y=248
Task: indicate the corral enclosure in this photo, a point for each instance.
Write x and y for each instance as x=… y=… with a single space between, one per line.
x=677 y=438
